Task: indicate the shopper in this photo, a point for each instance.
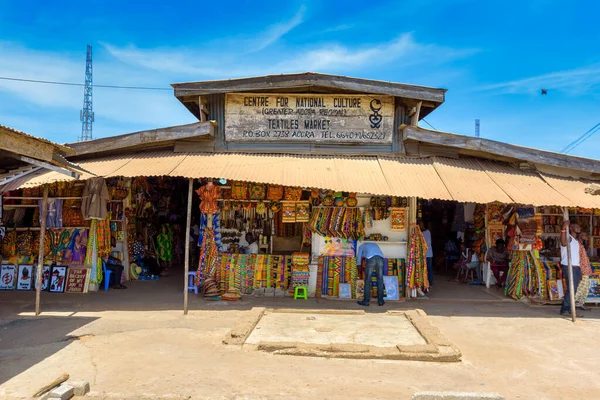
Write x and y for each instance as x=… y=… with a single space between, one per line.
x=427 y=236
x=498 y=256
x=164 y=244
x=581 y=291
x=568 y=237
x=374 y=257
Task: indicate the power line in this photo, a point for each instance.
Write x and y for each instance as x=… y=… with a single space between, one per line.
x=424 y=120
x=5 y=78
x=571 y=146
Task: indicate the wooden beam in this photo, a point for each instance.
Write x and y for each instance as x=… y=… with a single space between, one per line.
x=307 y=79
x=40 y=266
x=146 y=137
x=188 y=228
x=22 y=144
x=49 y=166
x=415 y=117
x=512 y=152
x=203 y=108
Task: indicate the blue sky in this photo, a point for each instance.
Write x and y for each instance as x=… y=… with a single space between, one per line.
x=492 y=56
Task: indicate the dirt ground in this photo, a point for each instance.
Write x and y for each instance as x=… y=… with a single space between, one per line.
x=136 y=343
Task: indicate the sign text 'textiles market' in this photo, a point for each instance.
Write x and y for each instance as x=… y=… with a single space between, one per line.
x=309 y=117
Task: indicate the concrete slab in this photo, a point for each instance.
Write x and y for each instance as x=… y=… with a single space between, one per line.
x=378 y=330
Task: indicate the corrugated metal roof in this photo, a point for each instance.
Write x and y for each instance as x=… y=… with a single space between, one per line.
x=524 y=187
x=464 y=180
x=574 y=190
x=414 y=177
x=468 y=182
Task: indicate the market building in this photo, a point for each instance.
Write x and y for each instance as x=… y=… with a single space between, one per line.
x=311 y=166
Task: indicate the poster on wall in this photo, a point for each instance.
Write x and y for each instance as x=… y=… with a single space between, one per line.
x=338 y=247
x=495 y=232
x=25 y=277
x=397 y=218
x=77 y=280
x=58 y=279
x=8 y=275
x=391 y=287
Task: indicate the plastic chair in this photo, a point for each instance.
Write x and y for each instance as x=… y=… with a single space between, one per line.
x=106 y=273
x=192 y=282
x=300 y=292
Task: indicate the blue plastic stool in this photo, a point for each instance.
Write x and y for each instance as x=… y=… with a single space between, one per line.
x=192 y=282
x=106 y=273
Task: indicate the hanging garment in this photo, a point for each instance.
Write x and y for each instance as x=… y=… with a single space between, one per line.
x=54 y=213
x=94 y=199
x=208 y=198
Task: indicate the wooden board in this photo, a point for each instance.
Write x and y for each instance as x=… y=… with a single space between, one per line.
x=77 y=280
x=322 y=118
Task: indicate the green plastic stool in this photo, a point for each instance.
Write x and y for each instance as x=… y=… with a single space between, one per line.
x=300 y=292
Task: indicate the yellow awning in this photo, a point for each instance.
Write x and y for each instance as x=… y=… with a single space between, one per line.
x=464 y=179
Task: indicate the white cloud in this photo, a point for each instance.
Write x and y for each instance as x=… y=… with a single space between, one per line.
x=277 y=31
x=333 y=58
x=575 y=82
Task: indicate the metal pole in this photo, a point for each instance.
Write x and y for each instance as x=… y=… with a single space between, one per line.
x=187 y=246
x=40 y=266
x=570 y=266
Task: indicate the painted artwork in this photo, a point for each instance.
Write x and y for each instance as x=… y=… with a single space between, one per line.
x=288 y=211
x=391 y=287
x=360 y=288
x=398 y=218
x=45 y=277
x=345 y=291
x=594 y=290
x=67 y=246
x=25 y=277
x=338 y=247
x=58 y=279
x=495 y=232
x=77 y=280
x=553 y=290
x=8 y=274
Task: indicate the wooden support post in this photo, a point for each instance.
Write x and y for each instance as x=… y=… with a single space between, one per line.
x=570 y=267
x=415 y=116
x=40 y=266
x=187 y=246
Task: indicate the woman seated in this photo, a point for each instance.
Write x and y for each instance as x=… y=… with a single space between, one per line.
x=468 y=260
x=499 y=257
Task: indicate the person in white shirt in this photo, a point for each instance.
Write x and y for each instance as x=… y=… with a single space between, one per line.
x=253 y=246
x=573 y=231
x=427 y=236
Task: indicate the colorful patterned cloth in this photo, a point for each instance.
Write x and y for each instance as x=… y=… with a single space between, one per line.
x=416 y=265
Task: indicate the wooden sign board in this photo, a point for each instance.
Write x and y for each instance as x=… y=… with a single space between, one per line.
x=77 y=280
x=323 y=118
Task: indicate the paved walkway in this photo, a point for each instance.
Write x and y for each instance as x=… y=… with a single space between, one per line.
x=136 y=342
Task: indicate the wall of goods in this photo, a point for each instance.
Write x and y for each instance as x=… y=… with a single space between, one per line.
x=73 y=244
x=534 y=239
x=338 y=221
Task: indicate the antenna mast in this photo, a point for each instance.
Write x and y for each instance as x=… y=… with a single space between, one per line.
x=477 y=128
x=86 y=115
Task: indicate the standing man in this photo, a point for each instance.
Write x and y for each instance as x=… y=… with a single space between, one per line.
x=374 y=257
x=427 y=236
x=568 y=237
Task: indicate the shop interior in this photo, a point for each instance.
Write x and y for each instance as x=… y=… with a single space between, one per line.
x=267 y=240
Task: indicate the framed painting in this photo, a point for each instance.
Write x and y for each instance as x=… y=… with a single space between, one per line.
x=25 y=277
x=360 y=288
x=8 y=274
x=553 y=290
x=397 y=218
x=58 y=279
x=338 y=247
x=77 y=280
x=45 y=277
x=594 y=290
x=345 y=291
x=391 y=287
